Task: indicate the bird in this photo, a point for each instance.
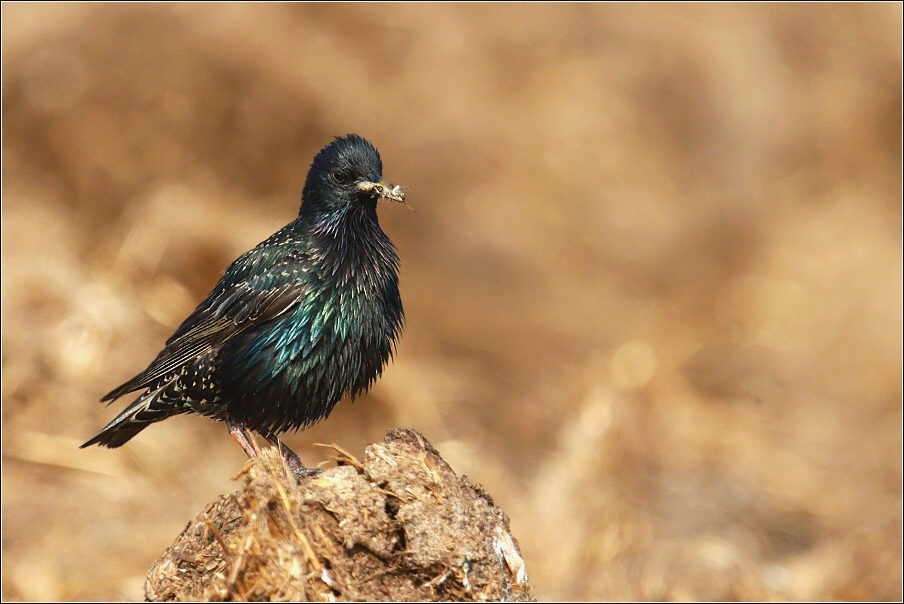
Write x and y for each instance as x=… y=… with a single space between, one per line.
x=310 y=315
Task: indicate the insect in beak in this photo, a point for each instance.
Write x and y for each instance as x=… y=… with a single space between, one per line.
x=385 y=191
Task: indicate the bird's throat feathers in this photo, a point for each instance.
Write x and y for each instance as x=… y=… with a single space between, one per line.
x=350 y=245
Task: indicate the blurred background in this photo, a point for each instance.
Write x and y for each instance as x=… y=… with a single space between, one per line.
x=653 y=278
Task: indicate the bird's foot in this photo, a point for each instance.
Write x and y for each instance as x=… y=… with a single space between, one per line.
x=293 y=461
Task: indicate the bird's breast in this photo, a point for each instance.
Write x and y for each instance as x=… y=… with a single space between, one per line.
x=340 y=321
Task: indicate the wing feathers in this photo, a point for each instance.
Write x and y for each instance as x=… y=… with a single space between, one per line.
x=216 y=320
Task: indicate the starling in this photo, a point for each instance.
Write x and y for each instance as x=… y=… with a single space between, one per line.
x=309 y=315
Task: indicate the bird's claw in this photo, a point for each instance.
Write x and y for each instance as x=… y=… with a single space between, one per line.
x=293 y=462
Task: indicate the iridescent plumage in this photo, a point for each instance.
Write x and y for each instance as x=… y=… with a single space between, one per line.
x=309 y=315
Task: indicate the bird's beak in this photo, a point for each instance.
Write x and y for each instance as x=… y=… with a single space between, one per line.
x=385 y=191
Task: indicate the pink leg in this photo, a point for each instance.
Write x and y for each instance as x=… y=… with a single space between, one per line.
x=238 y=433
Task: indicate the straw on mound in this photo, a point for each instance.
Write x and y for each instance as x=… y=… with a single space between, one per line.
x=399 y=526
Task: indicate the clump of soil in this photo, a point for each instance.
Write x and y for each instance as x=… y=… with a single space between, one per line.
x=401 y=525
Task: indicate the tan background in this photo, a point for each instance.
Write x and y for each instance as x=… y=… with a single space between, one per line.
x=653 y=277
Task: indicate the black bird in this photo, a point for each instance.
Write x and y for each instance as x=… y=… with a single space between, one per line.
x=309 y=315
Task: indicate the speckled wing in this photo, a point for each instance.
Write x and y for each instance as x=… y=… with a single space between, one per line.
x=238 y=302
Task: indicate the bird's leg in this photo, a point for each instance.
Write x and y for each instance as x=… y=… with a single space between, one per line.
x=238 y=433
x=292 y=459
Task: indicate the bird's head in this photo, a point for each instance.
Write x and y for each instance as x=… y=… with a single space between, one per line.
x=346 y=174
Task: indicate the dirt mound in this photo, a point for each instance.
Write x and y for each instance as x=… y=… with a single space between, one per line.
x=399 y=526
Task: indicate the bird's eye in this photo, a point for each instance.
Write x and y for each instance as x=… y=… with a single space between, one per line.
x=343 y=177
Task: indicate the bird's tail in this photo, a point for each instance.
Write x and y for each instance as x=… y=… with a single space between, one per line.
x=151 y=407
